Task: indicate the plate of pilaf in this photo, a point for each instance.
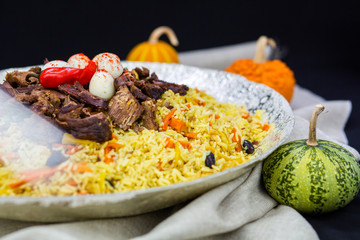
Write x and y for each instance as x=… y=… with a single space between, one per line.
x=168 y=133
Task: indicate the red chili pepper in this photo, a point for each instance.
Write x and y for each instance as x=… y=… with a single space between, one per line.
x=53 y=77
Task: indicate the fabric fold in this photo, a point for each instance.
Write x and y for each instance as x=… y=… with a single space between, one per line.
x=220 y=210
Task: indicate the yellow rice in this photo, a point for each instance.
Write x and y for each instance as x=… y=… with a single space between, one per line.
x=143 y=160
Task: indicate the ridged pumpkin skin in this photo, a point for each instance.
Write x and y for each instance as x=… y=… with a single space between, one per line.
x=153 y=52
x=312 y=179
x=275 y=74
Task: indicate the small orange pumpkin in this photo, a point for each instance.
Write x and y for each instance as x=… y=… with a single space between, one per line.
x=275 y=74
x=155 y=50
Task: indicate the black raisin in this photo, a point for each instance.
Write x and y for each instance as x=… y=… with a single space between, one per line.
x=110 y=183
x=210 y=160
x=248 y=147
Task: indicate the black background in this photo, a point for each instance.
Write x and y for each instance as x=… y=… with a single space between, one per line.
x=319 y=42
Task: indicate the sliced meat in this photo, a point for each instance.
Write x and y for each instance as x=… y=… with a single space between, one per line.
x=154 y=88
x=18 y=78
x=95 y=127
x=47 y=101
x=35 y=70
x=142 y=72
x=154 y=91
x=78 y=92
x=120 y=81
x=125 y=79
x=42 y=106
x=6 y=87
x=151 y=90
x=70 y=110
x=176 y=88
x=138 y=94
x=148 y=117
x=124 y=109
x=25 y=98
x=26 y=90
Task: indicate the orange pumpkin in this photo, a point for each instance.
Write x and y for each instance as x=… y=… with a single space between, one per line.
x=155 y=50
x=275 y=74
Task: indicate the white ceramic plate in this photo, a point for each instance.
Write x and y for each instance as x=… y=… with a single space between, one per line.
x=225 y=87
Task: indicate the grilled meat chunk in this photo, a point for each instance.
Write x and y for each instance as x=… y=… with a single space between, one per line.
x=142 y=72
x=148 y=117
x=126 y=79
x=138 y=94
x=96 y=127
x=176 y=88
x=124 y=109
x=18 y=78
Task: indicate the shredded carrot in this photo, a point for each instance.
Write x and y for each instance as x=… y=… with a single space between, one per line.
x=110 y=146
x=266 y=127
x=114 y=145
x=81 y=167
x=235 y=137
x=198 y=102
x=191 y=135
x=246 y=115
x=108 y=159
x=114 y=137
x=29 y=175
x=33 y=174
x=188 y=105
x=17 y=184
x=238 y=147
x=177 y=124
x=169 y=143
x=70 y=149
x=210 y=123
x=159 y=166
x=197 y=90
x=71 y=182
x=82 y=193
x=185 y=144
x=167 y=118
x=217 y=116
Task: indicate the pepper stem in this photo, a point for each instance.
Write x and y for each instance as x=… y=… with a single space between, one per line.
x=35 y=75
x=261 y=44
x=155 y=35
x=312 y=127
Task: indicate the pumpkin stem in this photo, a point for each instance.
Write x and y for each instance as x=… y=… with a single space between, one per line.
x=261 y=44
x=312 y=128
x=155 y=35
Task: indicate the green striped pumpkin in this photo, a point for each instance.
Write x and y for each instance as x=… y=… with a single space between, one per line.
x=312 y=178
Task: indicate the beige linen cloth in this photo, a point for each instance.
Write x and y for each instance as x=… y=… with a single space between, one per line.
x=240 y=209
